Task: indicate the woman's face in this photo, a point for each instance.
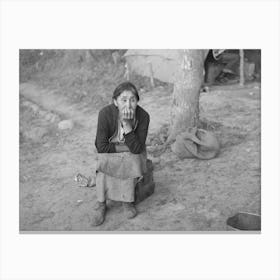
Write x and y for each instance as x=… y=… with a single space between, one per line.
x=126 y=101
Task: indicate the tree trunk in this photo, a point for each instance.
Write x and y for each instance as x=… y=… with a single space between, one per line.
x=188 y=81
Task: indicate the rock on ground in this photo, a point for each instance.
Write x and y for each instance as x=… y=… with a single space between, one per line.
x=66 y=124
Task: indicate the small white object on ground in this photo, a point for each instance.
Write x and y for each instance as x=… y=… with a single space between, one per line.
x=79 y=202
x=66 y=124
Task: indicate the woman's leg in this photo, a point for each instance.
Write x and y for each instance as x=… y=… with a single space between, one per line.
x=130 y=209
x=100 y=210
x=129 y=206
x=231 y=60
x=122 y=190
x=101 y=187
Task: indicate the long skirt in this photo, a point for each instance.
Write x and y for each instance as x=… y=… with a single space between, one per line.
x=117 y=175
x=108 y=187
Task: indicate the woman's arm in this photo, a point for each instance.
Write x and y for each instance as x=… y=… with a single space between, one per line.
x=120 y=148
x=102 y=135
x=136 y=140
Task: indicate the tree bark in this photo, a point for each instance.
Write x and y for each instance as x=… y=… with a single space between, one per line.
x=188 y=81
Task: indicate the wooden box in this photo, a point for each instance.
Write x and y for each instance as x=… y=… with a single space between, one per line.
x=145 y=187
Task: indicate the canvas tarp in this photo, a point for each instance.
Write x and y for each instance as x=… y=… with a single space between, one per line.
x=162 y=64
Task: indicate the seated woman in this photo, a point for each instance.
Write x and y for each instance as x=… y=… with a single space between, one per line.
x=120 y=141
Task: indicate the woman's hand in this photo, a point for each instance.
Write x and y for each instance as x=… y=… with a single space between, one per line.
x=127 y=116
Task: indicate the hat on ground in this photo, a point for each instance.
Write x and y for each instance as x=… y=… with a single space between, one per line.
x=196 y=143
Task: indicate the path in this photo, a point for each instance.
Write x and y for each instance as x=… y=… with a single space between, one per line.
x=190 y=194
x=52 y=100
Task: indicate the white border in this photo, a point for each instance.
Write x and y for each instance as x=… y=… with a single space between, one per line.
x=158 y=24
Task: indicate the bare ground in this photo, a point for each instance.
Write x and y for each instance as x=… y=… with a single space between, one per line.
x=190 y=195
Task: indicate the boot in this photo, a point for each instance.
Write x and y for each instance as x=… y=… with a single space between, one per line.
x=99 y=215
x=130 y=210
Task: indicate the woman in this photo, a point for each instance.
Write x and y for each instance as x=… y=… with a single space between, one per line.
x=120 y=141
x=228 y=57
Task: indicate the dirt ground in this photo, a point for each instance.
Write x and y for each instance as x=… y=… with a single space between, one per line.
x=190 y=194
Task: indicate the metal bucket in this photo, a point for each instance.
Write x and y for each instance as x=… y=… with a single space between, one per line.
x=244 y=221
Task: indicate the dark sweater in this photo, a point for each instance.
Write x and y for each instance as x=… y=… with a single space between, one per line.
x=107 y=127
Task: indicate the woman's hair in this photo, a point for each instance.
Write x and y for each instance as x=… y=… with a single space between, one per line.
x=123 y=87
